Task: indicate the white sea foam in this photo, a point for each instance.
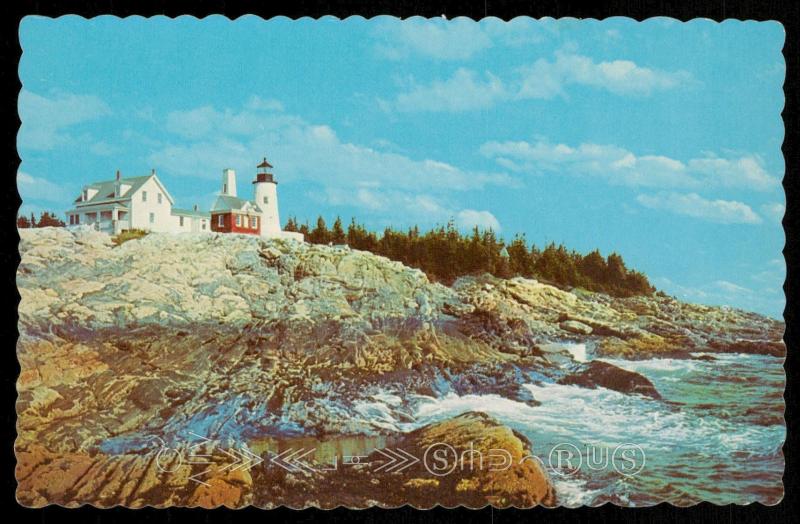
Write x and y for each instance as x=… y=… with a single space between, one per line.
x=573 y=493
x=378 y=414
x=453 y=404
x=578 y=351
x=600 y=416
x=655 y=365
x=388 y=398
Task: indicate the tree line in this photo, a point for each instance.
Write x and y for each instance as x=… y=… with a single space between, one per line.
x=445 y=254
x=46 y=219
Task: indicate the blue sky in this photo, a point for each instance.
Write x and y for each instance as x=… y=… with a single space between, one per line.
x=659 y=140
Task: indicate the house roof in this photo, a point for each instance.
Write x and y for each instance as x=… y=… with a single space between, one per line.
x=190 y=213
x=231 y=203
x=105 y=190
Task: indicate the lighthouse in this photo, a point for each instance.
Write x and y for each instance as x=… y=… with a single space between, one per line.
x=265 y=192
x=231 y=214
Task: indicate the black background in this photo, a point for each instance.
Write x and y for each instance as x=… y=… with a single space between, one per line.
x=785 y=12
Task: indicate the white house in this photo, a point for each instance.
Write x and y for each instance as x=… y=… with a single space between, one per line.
x=133 y=203
x=144 y=203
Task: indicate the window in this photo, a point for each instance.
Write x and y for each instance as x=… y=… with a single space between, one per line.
x=255 y=222
x=152 y=218
x=221 y=220
x=144 y=196
x=72 y=220
x=246 y=221
x=239 y=220
x=204 y=225
x=77 y=219
x=85 y=195
x=266 y=200
x=225 y=189
x=181 y=221
x=159 y=198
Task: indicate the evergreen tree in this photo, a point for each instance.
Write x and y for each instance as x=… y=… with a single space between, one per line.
x=47 y=219
x=616 y=271
x=320 y=234
x=305 y=231
x=594 y=268
x=291 y=225
x=520 y=260
x=337 y=233
x=445 y=254
x=352 y=234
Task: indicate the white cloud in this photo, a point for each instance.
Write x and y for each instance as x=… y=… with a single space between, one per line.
x=544 y=79
x=730 y=287
x=396 y=206
x=618 y=165
x=462 y=92
x=772 y=274
x=745 y=171
x=338 y=172
x=724 y=292
x=258 y=115
x=774 y=210
x=37 y=188
x=693 y=205
x=457 y=39
x=257 y=103
x=203 y=159
x=192 y=124
x=103 y=148
x=469 y=218
x=307 y=151
x=45 y=120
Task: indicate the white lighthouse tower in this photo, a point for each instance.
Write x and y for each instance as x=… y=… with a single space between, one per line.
x=265 y=190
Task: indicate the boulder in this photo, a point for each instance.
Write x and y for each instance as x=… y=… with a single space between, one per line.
x=602 y=374
x=573 y=326
x=468 y=460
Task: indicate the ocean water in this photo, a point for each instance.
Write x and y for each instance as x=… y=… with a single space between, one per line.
x=716 y=436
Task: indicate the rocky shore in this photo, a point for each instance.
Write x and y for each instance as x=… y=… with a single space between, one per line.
x=236 y=338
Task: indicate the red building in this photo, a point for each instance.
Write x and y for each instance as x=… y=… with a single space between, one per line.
x=231 y=214
x=235 y=215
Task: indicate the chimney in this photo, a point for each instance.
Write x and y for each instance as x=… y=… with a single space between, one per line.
x=194 y=207
x=229 y=182
x=118 y=175
x=152 y=171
